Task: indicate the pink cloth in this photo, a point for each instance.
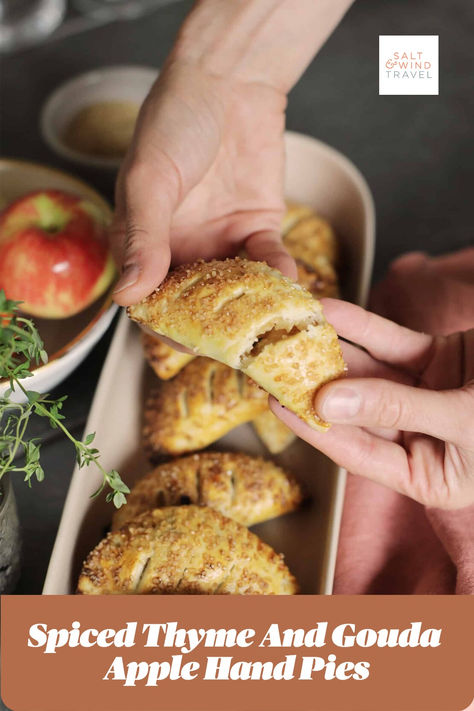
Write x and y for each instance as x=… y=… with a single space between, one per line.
x=389 y=543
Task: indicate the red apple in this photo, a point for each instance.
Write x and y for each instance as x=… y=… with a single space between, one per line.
x=53 y=253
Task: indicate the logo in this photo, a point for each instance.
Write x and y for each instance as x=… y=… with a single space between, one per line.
x=408 y=64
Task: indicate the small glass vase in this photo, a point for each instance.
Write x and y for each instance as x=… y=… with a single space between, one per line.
x=10 y=539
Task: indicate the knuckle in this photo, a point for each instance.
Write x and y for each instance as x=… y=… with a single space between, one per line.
x=466 y=413
x=136 y=238
x=391 y=411
x=137 y=175
x=365 y=455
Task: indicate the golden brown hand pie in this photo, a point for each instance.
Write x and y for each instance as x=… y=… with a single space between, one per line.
x=311 y=242
x=275 y=435
x=165 y=361
x=295 y=211
x=315 y=272
x=181 y=550
x=202 y=403
x=250 y=317
x=246 y=489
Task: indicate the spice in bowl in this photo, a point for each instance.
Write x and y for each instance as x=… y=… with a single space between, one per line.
x=103 y=129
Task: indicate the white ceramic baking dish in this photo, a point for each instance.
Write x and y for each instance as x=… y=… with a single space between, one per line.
x=322 y=177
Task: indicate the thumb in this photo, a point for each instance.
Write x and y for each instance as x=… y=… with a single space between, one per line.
x=371 y=402
x=266 y=246
x=140 y=235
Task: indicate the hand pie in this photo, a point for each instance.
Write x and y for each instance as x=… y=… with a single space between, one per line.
x=295 y=211
x=202 y=403
x=247 y=489
x=275 y=435
x=315 y=272
x=308 y=235
x=311 y=242
x=165 y=361
x=181 y=550
x=252 y=318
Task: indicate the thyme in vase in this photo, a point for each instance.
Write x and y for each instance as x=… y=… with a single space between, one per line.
x=21 y=346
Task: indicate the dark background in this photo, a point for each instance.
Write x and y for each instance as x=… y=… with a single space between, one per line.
x=415 y=151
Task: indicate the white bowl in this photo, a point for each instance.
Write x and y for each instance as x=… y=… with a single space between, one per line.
x=67 y=341
x=122 y=83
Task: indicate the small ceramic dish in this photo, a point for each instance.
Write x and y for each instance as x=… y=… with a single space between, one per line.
x=68 y=340
x=119 y=83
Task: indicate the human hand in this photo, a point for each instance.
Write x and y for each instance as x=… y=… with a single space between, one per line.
x=405 y=416
x=204 y=174
x=401 y=296
x=202 y=179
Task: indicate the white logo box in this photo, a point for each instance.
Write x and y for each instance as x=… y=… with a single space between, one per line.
x=408 y=64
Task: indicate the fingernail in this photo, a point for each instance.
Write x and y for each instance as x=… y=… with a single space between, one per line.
x=128 y=277
x=340 y=405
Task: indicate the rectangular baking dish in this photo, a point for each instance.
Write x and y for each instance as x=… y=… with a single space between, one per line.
x=319 y=176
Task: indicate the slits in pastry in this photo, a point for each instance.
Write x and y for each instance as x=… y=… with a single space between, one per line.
x=252 y=318
x=202 y=403
x=308 y=241
x=247 y=489
x=165 y=361
x=184 y=550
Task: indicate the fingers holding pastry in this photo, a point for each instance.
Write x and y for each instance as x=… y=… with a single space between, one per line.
x=353 y=448
x=373 y=402
x=384 y=340
x=267 y=246
x=139 y=235
x=252 y=318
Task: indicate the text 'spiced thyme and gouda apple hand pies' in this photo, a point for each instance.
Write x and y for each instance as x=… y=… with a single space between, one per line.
x=250 y=317
x=247 y=489
x=184 y=550
x=202 y=403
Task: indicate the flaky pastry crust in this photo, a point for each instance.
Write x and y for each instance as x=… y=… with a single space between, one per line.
x=202 y=403
x=247 y=489
x=250 y=317
x=275 y=435
x=165 y=361
x=184 y=550
x=311 y=241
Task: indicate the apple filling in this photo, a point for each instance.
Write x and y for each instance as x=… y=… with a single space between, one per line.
x=270 y=337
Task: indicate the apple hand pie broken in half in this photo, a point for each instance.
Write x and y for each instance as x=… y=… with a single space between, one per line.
x=249 y=316
x=247 y=489
x=181 y=550
x=202 y=403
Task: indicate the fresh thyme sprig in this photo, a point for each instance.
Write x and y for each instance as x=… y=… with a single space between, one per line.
x=20 y=346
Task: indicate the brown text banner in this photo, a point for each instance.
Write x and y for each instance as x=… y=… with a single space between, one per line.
x=221 y=653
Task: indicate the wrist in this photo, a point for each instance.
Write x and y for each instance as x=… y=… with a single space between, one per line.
x=266 y=42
